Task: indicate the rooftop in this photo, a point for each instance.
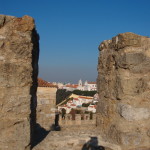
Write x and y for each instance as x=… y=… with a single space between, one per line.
x=43 y=83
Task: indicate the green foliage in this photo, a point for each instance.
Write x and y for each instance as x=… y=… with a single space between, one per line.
x=61 y=95
x=84 y=93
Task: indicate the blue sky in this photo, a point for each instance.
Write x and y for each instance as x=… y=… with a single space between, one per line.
x=71 y=30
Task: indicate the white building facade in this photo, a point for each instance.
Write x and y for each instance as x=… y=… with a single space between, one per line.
x=87 y=86
x=90 y=86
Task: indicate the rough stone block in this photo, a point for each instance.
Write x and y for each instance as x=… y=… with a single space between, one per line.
x=124 y=90
x=19 y=51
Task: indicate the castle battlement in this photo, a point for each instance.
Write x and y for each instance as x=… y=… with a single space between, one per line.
x=77 y=119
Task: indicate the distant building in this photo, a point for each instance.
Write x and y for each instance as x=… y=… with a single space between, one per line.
x=92 y=108
x=59 y=84
x=90 y=86
x=80 y=85
x=87 y=86
x=77 y=102
x=85 y=99
x=70 y=87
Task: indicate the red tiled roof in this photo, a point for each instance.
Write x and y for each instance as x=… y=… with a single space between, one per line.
x=81 y=97
x=85 y=97
x=73 y=105
x=91 y=82
x=89 y=98
x=43 y=83
x=72 y=86
x=92 y=106
x=75 y=86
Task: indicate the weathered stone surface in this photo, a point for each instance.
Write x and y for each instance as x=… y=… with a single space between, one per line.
x=46 y=103
x=75 y=139
x=133 y=114
x=18 y=81
x=124 y=90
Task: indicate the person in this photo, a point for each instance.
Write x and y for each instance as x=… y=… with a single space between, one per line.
x=73 y=113
x=57 y=127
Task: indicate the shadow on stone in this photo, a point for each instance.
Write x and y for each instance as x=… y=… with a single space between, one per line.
x=40 y=135
x=55 y=128
x=92 y=144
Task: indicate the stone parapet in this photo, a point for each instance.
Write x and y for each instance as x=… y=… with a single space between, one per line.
x=79 y=120
x=46 y=102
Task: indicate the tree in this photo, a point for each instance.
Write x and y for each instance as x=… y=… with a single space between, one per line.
x=61 y=95
x=84 y=93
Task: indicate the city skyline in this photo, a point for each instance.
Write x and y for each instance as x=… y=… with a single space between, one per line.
x=71 y=31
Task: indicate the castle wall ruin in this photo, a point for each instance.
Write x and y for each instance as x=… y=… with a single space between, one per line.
x=124 y=91
x=123 y=113
x=19 y=50
x=46 y=103
x=77 y=120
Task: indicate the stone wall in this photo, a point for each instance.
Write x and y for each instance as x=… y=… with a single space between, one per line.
x=77 y=120
x=19 y=51
x=46 y=100
x=124 y=91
